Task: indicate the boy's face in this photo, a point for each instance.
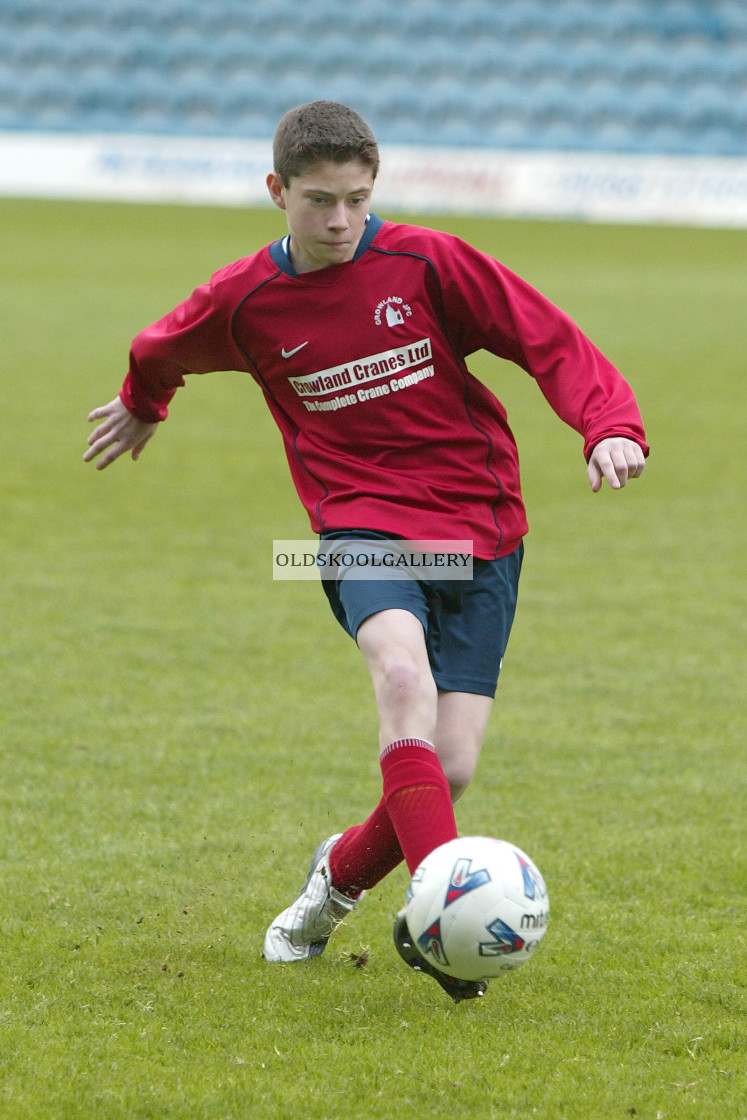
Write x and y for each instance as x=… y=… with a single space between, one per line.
x=326 y=209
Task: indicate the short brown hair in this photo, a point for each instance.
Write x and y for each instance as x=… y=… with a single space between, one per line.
x=319 y=132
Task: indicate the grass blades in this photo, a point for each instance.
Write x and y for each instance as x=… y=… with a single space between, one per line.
x=178 y=732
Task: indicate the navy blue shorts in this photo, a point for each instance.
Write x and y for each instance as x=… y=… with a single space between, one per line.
x=466 y=622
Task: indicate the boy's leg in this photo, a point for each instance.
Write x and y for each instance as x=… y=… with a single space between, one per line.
x=415 y=815
x=460 y=732
x=367 y=852
x=393 y=644
x=417 y=796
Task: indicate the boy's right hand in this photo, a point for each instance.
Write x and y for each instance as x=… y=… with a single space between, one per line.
x=120 y=432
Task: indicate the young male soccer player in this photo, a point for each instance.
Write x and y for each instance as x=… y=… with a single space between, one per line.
x=357 y=330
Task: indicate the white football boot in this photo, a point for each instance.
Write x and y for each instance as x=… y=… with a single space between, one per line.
x=303 y=930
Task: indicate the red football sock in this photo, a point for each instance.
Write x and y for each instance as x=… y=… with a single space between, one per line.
x=415 y=816
x=417 y=797
x=365 y=853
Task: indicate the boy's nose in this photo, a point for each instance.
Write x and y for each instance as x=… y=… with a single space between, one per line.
x=338 y=219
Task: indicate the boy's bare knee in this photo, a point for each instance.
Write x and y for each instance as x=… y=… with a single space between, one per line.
x=459 y=774
x=401 y=675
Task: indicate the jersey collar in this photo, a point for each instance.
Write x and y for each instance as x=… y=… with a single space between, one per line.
x=279 y=250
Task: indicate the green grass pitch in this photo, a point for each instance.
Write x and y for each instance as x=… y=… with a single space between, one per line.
x=178 y=731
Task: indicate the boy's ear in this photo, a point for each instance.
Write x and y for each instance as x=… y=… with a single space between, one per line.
x=275 y=187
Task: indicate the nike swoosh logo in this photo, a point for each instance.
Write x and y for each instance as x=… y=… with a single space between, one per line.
x=290 y=353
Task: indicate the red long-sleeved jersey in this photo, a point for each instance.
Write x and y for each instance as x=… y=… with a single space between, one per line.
x=363 y=367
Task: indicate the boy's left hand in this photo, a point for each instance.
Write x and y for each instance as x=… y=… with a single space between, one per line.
x=118 y=432
x=617 y=459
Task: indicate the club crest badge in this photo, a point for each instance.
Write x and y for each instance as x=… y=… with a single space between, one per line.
x=392 y=311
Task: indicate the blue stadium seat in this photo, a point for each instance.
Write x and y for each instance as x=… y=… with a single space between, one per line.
x=360 y=21
x=587 y=61
x=734 y=18
x=575 y=19
x=8 y=45
x=184 y=16
x=627 y=74
x=658 y=108
x=99 y=91
x=93 y=46
x=524 y=18
x=281 y=52
x=443 y=98
x=627 y=19
x=721 y=142
x=456 y=132
x=505 y=131
x=666 y=138
x=538 y=61
x=728 y=67
x=294 y=90
x=79 y=13
x=9 y=101
x=50 y=99
x=699 y=21
x=37 y=46
x=690 y=62
x=141 y=50
x=502 y=98
x=249 y=101
x=556 y=101
x=491 y=57
x=244 y=112
x=647 y=61
x=25 y=13
x=389 y=55
x=385 y=99
x=563 y=136
x=236 y=53
x=336 y=57
x=187 y=51
x=603 y=106
x=239 y=95
x=124 y=14
x=710 y=107
x=475 y=19
x=439 y=59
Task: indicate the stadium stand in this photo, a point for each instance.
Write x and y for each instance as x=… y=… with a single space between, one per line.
x=622 y=75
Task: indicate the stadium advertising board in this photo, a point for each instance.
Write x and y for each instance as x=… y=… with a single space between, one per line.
x=687 y=190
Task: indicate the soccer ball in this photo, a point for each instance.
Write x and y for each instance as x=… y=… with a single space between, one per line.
x=477 y=907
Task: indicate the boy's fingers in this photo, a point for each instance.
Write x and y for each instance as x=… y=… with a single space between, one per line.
x=602 y=466
x=617 y=471
x=638 y=463
x=95 y=449
x=112 y=454
x=616 y=460
x=104 y=410
x=98 y=433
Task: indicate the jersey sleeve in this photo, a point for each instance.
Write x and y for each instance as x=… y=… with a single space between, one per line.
x=489 y=307
x=193 y=338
